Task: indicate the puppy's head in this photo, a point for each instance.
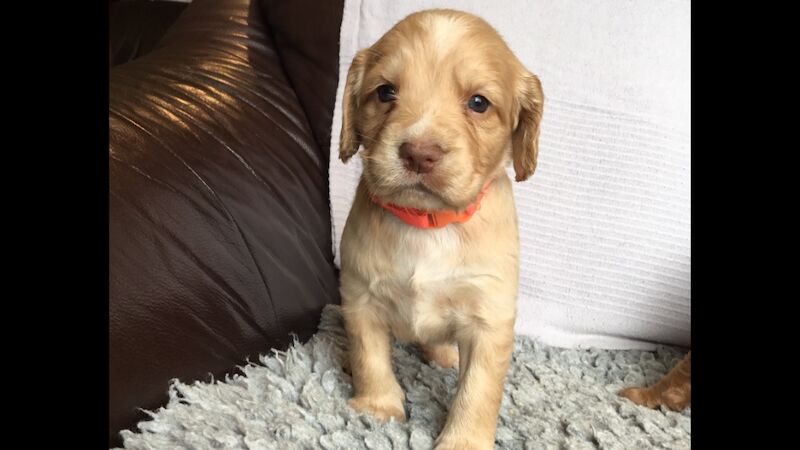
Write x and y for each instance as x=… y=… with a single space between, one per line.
x=440 y=104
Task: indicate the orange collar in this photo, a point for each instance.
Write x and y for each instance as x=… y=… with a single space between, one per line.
x=432 y=219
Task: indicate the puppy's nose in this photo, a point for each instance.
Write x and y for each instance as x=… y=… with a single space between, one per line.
x=420 y=156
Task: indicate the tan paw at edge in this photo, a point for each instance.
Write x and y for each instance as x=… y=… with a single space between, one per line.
x=639 y=396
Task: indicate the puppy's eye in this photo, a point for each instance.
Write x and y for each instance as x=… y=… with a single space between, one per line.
x=386 y=93
x=478 y=103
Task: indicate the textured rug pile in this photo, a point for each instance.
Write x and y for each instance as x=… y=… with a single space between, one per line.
x=554 y=399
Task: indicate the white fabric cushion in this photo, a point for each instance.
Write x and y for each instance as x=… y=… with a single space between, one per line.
x=605 y=220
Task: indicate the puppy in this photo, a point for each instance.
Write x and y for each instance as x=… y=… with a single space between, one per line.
x=674 y=390
x=430 y=248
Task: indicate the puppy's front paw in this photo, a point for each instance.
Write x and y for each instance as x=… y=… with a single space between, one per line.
x=462 y=444
x=382 y=407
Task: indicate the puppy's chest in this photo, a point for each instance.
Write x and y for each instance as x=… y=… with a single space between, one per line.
x=419 y=261
x=416 y=286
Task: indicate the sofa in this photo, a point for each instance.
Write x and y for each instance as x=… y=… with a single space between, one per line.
x=219 y=225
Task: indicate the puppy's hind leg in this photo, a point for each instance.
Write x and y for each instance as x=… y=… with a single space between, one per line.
x=443 y=355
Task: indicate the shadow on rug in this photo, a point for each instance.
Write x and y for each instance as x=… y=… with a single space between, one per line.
x=554 y=399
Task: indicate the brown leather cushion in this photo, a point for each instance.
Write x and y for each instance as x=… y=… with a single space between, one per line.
x=220 y=239
x=136 y=26
x=306 y=33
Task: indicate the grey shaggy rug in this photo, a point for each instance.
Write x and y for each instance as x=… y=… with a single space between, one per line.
x=554 y=399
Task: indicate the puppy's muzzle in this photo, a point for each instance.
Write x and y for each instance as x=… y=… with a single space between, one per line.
x=420 y=156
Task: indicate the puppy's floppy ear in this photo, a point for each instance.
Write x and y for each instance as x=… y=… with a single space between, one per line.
x=525 y=140
x=350 y=138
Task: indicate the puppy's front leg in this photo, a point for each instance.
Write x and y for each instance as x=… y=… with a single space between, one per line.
x=376 y=388
x=484 y=354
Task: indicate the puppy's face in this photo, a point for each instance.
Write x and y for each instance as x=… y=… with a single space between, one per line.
x=440 y=104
